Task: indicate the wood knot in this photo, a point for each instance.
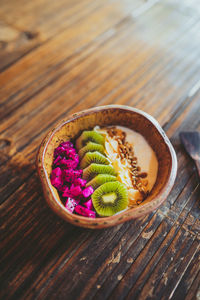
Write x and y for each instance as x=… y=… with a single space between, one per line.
x=31 y=35
x=7 y=147
x=3 y=45
x=4 y=143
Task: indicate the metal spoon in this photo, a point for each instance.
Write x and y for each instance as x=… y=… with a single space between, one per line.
x=191 y=142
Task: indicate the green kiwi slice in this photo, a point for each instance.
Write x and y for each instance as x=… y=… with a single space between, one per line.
x=91 y=147
x=94 y=169
x=93 y=157
x=101 y=179
x=110 y=198
x=89 y=136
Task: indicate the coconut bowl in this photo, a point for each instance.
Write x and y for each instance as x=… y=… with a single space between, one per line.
x=104 y=116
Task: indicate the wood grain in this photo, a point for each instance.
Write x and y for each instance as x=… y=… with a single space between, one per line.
x=57 y=58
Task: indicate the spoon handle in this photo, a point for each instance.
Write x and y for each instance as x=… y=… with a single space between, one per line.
x=198 y=166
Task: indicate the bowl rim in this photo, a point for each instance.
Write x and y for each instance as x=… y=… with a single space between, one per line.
x=123 y=216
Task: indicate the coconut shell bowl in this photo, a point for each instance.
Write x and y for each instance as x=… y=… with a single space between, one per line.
x=130 y=117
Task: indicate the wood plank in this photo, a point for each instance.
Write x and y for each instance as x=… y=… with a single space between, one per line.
x=15 y=43
x=49 y=109
x=24 y=93
x=141 y=278
x=36 y=29
x=178 y=272
x=178 y=248
x=194 y=290
x=104 y=16
x=85 y=265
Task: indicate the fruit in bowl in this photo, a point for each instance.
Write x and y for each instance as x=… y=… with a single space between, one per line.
x=106 y=165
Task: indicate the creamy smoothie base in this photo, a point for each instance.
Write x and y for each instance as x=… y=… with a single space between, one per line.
x=133 y=159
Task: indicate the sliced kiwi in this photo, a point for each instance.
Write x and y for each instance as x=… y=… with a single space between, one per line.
x=94 y=169
x=93 y=157
x=101 y=179
x=110 y=198
x=91 y=147
x=89 y=136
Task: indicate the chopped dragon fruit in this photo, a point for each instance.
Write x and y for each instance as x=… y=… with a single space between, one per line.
x=67 y=144
x=71 y=153
x=71 y=204
x=75 y=190
x=68 y=163
x=88 y=204
x=65 y=191
x=80 y=181
x=65 y=148
x=57 y=172
x=76 y=158
x=64 y=188
x=59 y=151
x=71 y=175
x=56 y=178
x=88 y=191
x=83 y=211
x=56 y=182
x=67 y=179
x=57 y=160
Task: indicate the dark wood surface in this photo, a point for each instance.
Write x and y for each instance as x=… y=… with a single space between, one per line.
x=59 y=57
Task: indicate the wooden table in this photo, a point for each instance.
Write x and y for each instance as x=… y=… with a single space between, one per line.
x=60 y=57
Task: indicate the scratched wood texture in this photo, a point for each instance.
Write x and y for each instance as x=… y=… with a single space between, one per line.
x=57 y=58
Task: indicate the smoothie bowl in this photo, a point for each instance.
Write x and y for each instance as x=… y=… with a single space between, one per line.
x=106 y=165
